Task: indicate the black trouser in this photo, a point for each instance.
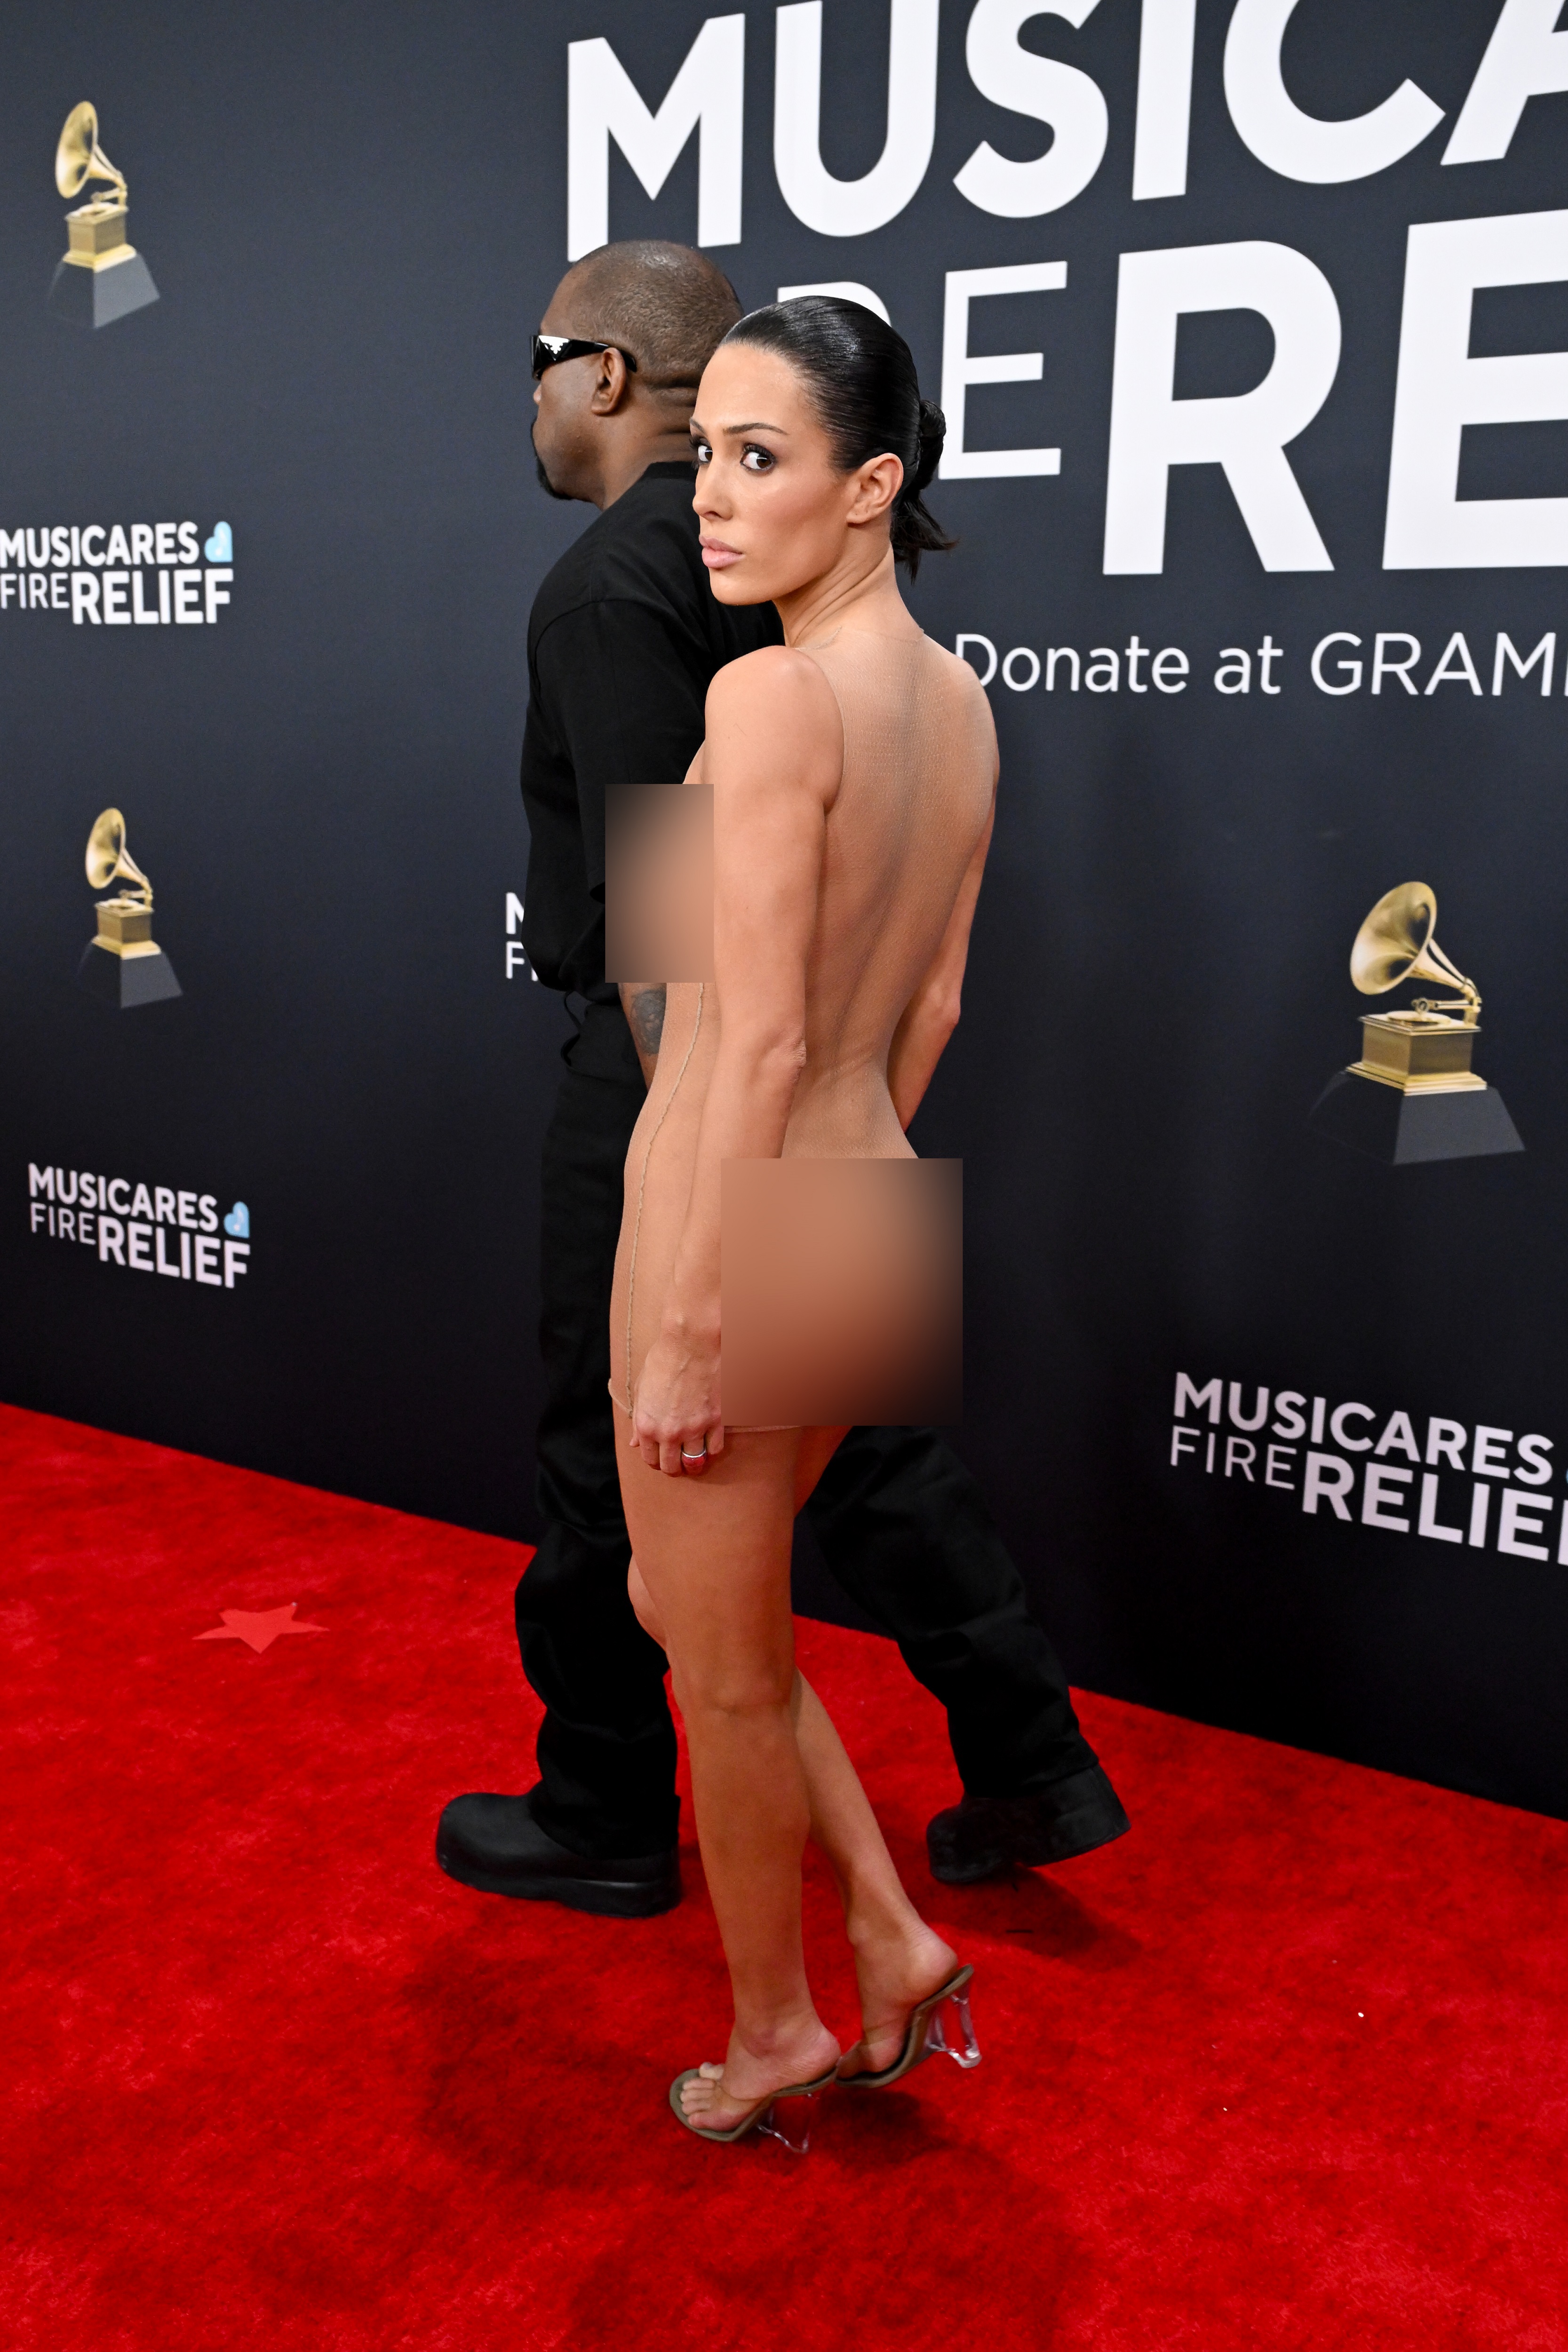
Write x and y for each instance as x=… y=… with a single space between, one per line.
x=900 y=1521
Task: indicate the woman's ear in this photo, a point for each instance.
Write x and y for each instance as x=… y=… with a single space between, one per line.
x=877 y=485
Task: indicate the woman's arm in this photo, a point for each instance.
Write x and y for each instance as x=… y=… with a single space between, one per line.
x=931 y=1014
x=775 y=756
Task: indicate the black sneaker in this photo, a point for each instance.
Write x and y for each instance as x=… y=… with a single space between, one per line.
x=986 y=1836
x=495 y=1843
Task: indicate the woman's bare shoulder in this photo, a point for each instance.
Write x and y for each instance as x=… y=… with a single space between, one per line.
x=779 y=706
x=957 y=672
x=961 y=679
x=777 y=678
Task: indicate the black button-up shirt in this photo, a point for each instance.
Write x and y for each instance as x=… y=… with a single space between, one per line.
x=625 y=637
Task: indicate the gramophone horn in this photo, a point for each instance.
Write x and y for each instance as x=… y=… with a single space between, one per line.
x=1395 y=944
x=107 y=857
x=79 y=157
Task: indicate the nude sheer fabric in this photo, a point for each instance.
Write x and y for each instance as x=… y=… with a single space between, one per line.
x=915 y=793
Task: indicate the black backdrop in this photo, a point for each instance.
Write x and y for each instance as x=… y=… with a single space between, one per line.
x=354 y=216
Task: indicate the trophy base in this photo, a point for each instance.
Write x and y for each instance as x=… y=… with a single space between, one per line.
x=124 y=981
x=1401 y=1129
x=96 y=298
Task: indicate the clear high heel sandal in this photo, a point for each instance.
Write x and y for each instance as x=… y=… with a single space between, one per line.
x=792 y=2128
x=938 y=2025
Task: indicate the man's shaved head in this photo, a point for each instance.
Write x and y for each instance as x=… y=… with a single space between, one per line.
x=597 y=424
x=668 y=305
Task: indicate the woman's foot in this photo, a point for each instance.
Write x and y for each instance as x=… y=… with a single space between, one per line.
x=717 y=2097
x=895 y=1975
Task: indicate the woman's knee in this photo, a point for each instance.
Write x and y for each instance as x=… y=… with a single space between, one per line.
x=735 y=1689
x=643 y=1608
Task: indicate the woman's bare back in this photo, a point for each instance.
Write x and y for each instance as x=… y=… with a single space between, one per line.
x=920 y=765
x=900 y=835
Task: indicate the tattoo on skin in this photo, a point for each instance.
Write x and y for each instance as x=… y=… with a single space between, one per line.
x=648 y=1020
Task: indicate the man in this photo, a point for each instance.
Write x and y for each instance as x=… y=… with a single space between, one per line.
x=624 y=640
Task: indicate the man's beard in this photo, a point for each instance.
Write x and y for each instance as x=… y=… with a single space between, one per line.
x=545 y=481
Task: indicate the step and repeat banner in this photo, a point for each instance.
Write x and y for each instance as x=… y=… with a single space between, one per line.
x=1251 y=326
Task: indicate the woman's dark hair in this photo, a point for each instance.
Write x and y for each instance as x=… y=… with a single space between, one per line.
x=863 y=386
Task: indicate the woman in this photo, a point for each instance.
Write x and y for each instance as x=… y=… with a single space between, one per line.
x=853 y=772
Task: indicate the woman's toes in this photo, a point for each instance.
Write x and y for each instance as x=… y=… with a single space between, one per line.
x=701 y=2094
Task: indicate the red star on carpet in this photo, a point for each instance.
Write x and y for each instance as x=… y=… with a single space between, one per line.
x=258 y=1627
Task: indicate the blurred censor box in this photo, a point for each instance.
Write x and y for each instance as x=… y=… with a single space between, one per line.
x=659 y=882
x=842 y=1291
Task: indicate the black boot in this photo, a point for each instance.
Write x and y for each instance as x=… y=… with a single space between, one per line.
x=986 y=1836
x=495 y=1843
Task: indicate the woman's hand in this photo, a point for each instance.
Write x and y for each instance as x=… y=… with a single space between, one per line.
x=677 y=1423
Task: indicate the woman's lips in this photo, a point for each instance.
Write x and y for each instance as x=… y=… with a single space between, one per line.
x=717 y=556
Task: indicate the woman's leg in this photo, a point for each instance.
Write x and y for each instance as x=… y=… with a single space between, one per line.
x=898 y=1960
x=714 y=1555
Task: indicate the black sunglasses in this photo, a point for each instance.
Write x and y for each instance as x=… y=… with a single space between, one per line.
x=549 y=351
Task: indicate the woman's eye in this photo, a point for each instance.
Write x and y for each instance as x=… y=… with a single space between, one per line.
x=702 y=452
x=756 y=460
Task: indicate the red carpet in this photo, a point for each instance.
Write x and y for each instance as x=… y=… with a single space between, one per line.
x=1286 y=2067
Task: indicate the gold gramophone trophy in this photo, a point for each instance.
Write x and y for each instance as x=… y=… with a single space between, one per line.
x=1424 y=1101
x=123 y=964
x=102 y=276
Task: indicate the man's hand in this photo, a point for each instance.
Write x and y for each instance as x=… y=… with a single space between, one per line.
x=642 y=1001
